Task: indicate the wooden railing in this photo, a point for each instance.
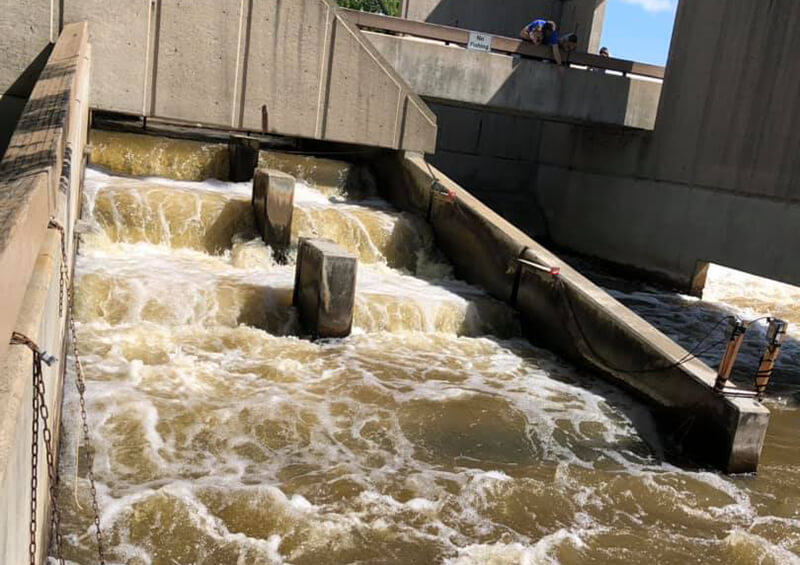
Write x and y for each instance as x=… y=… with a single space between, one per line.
x=500 y=44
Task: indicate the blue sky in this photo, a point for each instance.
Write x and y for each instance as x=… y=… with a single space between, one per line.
x=639 y=30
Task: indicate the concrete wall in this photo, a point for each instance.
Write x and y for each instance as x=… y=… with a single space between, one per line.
x=520 y=85
x=718 y=180
x=584 y=17
x=38 y=181
x=217 y=62
x=572 y=316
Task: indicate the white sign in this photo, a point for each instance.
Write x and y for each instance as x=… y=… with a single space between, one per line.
x=479 y=41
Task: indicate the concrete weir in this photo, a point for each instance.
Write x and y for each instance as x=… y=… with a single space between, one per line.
x=325 y=287
x=573 y=316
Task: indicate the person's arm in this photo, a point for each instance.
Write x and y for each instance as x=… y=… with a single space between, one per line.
x=524 y=34
x=557 y=53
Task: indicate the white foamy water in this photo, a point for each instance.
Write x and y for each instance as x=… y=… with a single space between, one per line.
x=434 y=434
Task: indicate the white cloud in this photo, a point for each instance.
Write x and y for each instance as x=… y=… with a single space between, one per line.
x=653 y=5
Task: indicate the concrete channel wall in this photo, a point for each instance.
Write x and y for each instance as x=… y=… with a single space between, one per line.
x=220 y=62
x=40 y=179
x=583 y=17
x=454 y=75
x=574 y=317
x=716 y=181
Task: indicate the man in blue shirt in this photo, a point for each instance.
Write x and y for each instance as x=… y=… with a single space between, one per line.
x=543 y=32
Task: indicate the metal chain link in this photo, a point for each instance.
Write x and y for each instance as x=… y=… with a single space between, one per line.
x=40 y=411
x=52 y=471
x=64 y=278
x=80 y=384
x=34 y=465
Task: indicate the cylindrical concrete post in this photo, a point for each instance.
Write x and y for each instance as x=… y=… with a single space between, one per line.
x=325 y=287
x=273 y=204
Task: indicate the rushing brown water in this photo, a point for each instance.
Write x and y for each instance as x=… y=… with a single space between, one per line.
x=434 y=434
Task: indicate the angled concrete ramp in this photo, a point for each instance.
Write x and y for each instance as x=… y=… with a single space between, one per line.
x=219 y=62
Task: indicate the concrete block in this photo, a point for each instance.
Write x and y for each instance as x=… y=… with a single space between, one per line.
x=243 y=158
x=273 y=205
x=325 y=287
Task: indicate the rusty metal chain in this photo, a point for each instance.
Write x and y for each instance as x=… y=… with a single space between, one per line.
x=52 y=471
x=80 y=384
x=64 y=280
x=40 y=411
x=34 y=465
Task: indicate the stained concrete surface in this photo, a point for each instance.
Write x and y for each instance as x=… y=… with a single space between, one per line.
x=455 y=75
x=218 y=63
x=273 y=204
x=325 y=287
x=574 y=317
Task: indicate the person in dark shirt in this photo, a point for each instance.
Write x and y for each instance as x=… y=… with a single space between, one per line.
x=603 y=53
x=540 y=32
x=543 y=32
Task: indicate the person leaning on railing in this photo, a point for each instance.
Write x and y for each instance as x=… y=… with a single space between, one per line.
x=603 y=53
x=545 y=32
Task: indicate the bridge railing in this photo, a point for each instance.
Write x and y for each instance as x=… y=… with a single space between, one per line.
x=500 y=44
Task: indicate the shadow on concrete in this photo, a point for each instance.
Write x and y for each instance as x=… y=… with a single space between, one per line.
x=23 y=86
x=10 y=110
x=545 y=89
x=12 y=101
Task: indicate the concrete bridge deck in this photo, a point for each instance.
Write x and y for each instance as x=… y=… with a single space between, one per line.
x=514 y=76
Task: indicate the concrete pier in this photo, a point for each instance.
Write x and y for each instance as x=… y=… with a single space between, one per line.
x=273 y=205
x=569 y=314
x=325 y=287
x=243 y=157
